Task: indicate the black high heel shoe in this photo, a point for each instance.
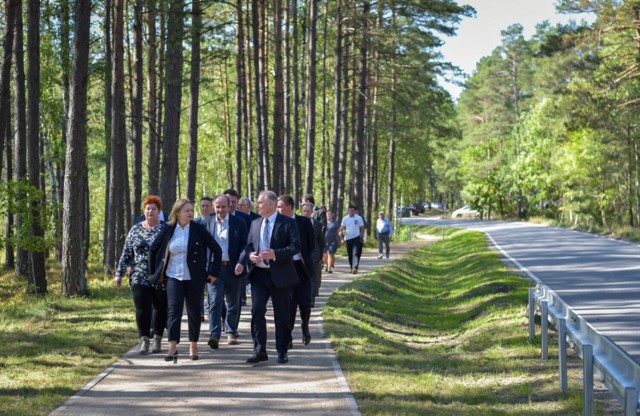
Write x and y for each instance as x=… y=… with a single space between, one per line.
x=173 y=358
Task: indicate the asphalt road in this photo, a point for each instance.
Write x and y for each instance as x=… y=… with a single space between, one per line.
x=598 y=277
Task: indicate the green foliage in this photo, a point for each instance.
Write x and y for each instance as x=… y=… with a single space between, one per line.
x=17 y=198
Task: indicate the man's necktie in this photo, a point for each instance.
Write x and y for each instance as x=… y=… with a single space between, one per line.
x=264 y=243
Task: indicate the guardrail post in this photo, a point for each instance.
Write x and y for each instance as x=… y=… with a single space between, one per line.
x=532 y=311
x=544 y=328
x=409 y=234
x=562 y=353
x=630 y=401
x=587 y=378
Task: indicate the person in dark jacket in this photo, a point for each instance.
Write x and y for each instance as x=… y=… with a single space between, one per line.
x=179 y=255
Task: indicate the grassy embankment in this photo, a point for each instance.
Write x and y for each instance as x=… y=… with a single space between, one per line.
x=443 y=332
x=52 y=346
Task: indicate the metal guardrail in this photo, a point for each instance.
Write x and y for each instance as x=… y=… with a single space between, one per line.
x=600 y=356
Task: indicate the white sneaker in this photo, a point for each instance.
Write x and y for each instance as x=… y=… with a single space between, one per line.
x=157 y=343
x=144 y=346
x=379 y=256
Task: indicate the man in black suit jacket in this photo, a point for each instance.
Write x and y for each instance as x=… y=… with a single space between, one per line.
x=234 y=197
x=231 y=234
x=272 y=243
x=304 y=268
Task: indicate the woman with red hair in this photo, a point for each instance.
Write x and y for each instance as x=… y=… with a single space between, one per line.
x=150 y=299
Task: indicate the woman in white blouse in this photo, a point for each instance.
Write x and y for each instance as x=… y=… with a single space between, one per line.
x=186 y=256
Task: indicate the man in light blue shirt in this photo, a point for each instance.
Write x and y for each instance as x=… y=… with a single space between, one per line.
x=384 y=231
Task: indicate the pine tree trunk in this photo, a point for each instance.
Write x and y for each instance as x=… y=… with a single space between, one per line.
x=22 y=256
x=194 y=94
x=295 y=135
x=240 y=96
x=360 y=150
x=136 y=110
x=172 y=104
x=278 y=102
x=38 y=280
x=288 y=168
x=118 y=182
x=260 y=126
x=335 y=203
x=108 y=56
x=326 y=150
x=74 y=218
x=5 y=71
x=65 y=59
x=153 y=139
x=310 y=116
x=9 y=255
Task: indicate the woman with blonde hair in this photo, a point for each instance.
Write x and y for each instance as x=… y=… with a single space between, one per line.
x=186 y=256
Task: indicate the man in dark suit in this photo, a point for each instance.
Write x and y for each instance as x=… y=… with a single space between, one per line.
x=233 y=196
x=245 y=205
x=316 y=254
x=231 y=234
x=304 y=268
x=272 y=243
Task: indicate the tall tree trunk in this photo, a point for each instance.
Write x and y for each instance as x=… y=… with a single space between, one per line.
x=250 y=159
x=38 y=274
x=172 y=104
x=288 y=168
x=337 y=120
x=10 y=7
x=264 y=92
x=136 y=110
x=310 y=116
x=22 y=256
x=374 y=122
x=295 y=135
x=117 y=184
x=73 y=250
x=392 y=142
x=344 y=113
x=278 y=102
x=240 y=96
x=326 y=151
x=226 y=116
x=153 y=135
x=9 y=255
x=107 y=121
x=65 y=59
x=359 y=172
x=194 y=94
x=258 y=88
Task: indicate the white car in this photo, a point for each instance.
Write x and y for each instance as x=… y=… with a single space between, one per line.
x=465 y=212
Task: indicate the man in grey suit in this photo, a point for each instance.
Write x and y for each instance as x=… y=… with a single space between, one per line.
x=272 y=243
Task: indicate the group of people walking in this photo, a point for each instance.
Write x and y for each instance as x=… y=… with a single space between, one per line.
x=280 y=254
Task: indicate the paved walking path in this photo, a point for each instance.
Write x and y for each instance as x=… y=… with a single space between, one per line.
x=221 y=382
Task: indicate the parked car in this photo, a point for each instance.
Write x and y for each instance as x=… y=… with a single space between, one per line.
x=403 y=212
x=465 y=212
x=437 y=205
x=420 y=207
x=426 y=205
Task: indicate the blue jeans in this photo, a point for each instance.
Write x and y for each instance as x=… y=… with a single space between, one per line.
x=228 y=286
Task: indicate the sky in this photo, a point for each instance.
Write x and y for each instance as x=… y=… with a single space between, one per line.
x=478 y=36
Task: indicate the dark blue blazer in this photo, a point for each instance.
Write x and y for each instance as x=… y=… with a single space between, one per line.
x=237 y=237
x=307 y=243
x=285 y=242
x=246 y=217
x=200 y=265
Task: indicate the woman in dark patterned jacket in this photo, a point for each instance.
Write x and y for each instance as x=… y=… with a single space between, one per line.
x=150 y=299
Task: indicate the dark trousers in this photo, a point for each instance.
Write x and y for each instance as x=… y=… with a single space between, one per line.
x=178 y=292
x=383 y=238
x=151 y=308
x=262 y=288
x=354 y=250
x=300 y=298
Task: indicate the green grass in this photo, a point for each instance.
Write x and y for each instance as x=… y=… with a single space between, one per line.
x=51 y=346
x=442 y=331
